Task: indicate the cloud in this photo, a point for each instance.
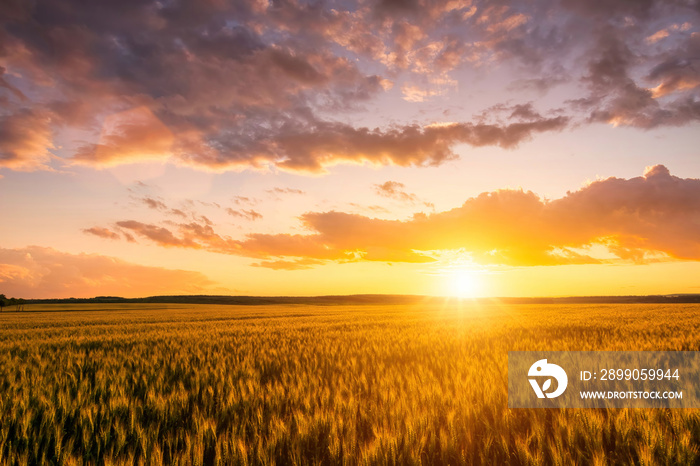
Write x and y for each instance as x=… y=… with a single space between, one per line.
x=160 y=235
x=282 y=191
x=244 y=200
x=645 y=218
x=642 y=217
x=155 y=79
x=654 y=212
x=246 y=214
x=152 y=80
x=657 y=36
x=525 y=112
x=201 y=236
x=178 y=213
x=25 y=140
x=394 y=190
x=154 y=203
x=298 y=264
x=134 y=135
x=5 y=84
x=38 y=272
x=312 y=149
x=637 y=9
x=540 y=84
x=102 y=232
x=615 y=97
x=618 y=99
x=157 y=204
x=415 y=93
x=680 y=71
x=188 y=209
x=109 y=233
x=371 y=208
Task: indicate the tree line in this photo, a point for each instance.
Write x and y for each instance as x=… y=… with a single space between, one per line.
x=17 y=302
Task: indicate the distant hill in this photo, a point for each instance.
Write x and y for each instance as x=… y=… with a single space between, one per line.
x=367 y=299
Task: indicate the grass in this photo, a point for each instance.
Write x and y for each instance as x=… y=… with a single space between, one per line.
x=294 y=384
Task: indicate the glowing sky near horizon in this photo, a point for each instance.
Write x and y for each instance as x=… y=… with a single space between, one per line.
x=385 y=146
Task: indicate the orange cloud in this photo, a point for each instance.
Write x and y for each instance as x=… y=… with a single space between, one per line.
x=160 y=235
x=101 y=232
x=37 y=272
x=134 y=135
x=25 y=140
x=657 y=36
x=638 y=219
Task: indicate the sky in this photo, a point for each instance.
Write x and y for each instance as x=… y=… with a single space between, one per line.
x=255 y=147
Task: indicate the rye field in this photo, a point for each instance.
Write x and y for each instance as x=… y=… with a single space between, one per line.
x=152 y=384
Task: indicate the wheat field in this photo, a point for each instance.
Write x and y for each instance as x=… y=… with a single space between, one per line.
x=426 y=384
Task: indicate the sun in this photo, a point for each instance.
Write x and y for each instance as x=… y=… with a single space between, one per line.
x=464 y=284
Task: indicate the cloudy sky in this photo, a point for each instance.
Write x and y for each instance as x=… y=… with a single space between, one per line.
x=297 y=147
